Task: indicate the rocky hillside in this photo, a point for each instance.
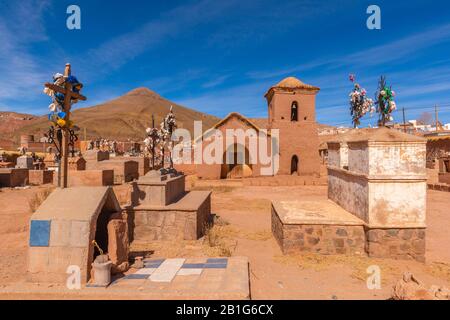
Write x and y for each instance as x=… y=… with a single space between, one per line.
x=125 y=117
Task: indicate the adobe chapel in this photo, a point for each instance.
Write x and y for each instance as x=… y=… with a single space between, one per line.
x=291 y=110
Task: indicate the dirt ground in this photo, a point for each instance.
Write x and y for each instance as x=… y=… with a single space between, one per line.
x=243 y=229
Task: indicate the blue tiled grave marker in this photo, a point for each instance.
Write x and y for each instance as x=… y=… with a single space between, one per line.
x=40 y=233
x=217 y=260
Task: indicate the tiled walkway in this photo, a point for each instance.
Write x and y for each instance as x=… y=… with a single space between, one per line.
x=195 y=278
x=179 y=278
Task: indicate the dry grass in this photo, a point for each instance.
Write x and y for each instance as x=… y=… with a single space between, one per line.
x=38 y=198
x=439 y=270
x=214 y=189
x=358 y=264
x=243 y=204
x=257 y=236
x=219 y=239
x=167 y=249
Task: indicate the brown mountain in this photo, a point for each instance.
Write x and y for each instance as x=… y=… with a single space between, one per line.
x=12 y=121
x=125 y=117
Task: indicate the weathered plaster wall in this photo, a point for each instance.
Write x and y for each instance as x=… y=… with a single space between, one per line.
x=399 y=204
x=351 y=192
x=397 y=159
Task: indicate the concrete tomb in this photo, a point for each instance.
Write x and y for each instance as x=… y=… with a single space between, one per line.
x=96 y=155
x=12 y=177
x=63 y=229
x=143 y=164
x=25 y=162
x=444 y=170
x=377 y=182
x=125 y=170
x=92 y=178
x=39 y=177
x=162 y=210
x=77 y=163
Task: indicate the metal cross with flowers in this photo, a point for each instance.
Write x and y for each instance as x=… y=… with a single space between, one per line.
x=64 y=91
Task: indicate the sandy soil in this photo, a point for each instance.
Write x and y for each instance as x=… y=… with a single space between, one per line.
x=243 y=228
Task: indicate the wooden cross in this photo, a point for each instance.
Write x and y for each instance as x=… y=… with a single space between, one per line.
x=69 y=94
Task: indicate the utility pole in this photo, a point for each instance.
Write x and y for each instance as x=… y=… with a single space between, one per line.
x=404 y=120
x=436 y=116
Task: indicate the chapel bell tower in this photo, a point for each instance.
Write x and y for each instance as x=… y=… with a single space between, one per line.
x=292 y=106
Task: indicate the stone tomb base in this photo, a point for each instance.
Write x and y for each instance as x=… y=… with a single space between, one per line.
x=124 y=170
x=91 y=178
x=324 y=227
x=396 y=243
x=62 y=230
x=39 y=177
x=317 y=227
x=12 y=177
x=162 y=209
x=184 y=219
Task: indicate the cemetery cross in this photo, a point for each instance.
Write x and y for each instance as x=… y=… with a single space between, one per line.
x=69 y=94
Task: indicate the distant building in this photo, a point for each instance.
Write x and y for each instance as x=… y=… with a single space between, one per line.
x=291 y=109
x=28 y=142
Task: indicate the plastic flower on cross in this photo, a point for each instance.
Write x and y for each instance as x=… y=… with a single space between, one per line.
x=360 y=104
x=385 y=101
x=351 y=77
x=57 y=115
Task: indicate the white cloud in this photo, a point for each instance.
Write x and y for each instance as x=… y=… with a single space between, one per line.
x=21 y=26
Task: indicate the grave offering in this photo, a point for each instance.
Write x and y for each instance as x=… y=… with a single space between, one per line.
x=360 y=103
x=63 y=229
x=385 y=102
x=377 y=185
x=162 y=209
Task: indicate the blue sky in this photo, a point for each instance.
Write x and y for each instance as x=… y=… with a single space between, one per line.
x=221 y=56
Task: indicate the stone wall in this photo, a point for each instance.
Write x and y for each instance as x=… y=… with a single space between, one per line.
x=444 y=177
x=324 y=239
x=171 y=222
x=396 y=243
x=439 y=187
x=285 y=180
